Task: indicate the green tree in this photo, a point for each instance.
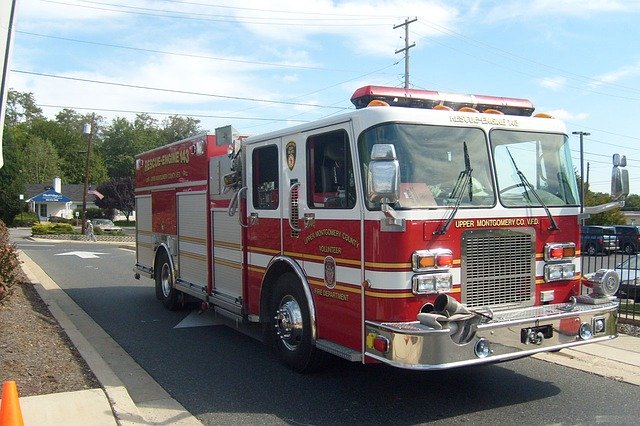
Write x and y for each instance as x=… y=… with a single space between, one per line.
x=147 y=133
x=119 y=140
x=21 y=108
x=632 y=203
x=610 y=217
x=44 y=163
x=12 y=177
x=123 y=140
x=175 y=128
x=118 y=195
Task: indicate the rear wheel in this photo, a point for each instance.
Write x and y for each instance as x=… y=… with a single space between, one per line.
x=291 y=326
x=164 y=283
x=591 y=250
x=629 y=248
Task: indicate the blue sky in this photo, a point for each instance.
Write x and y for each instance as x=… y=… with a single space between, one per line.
x=262 y=65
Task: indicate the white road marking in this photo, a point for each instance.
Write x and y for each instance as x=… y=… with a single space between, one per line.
x=82 y=254
x=199 y=319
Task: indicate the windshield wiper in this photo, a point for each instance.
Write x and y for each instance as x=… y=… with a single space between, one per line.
x=527 y=185
x=464 y=180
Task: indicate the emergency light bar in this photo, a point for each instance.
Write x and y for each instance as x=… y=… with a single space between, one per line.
x=413 y=98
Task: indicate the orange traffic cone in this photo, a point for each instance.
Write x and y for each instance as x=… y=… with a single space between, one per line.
x=10 y=413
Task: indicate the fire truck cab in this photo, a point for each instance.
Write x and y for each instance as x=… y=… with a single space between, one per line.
x=422 y=230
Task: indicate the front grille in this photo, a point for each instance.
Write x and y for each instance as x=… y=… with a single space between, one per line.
x=498 y=268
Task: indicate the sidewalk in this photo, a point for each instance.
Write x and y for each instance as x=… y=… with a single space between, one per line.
x=129 y=395
x=618 y=359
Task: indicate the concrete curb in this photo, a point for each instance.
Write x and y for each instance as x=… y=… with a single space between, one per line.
x=153 y=405
x=616 y=359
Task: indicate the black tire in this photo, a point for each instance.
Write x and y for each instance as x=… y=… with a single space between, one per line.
x=291 y=326
x=591 y=250
x=164 y=283
x=629 y=249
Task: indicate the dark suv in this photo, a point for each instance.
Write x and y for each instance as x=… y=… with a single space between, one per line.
x=628 y=238
x=598 y=239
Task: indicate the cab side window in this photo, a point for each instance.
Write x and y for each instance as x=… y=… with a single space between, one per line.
x=330 y=171
x=265 y=178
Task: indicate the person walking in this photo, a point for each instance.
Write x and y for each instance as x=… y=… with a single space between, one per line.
x=89 y=231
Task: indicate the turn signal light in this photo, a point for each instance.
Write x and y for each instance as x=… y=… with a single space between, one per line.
x=425 y=260
x=554 y=252
x=444 y=260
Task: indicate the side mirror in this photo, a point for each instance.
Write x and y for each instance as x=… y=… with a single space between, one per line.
x=619 y=160
x=383 y=177
x=619 y=178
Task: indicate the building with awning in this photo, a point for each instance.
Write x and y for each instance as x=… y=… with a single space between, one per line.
x=50 y=196
x=57 y=200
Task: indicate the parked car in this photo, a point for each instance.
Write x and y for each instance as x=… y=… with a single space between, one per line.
x=629 y=272
x=598 y=239
x=628 y=238
x=105 y=225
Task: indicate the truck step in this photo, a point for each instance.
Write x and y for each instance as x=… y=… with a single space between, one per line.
x=339 y=350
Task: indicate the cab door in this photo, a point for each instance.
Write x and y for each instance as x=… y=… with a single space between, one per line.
x=264 y=213
x=321 y=227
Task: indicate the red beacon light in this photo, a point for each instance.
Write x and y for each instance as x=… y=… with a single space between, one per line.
x=428 y=99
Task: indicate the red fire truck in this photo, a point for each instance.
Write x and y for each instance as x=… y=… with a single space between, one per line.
x=423 y=230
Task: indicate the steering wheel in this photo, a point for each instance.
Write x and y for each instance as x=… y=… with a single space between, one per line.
x=510 y=187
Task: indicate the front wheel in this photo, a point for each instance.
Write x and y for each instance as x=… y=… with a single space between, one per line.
x=291 y=326
x=591 y=250
x=164 y=283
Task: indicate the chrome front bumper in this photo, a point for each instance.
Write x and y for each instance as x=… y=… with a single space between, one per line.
x=413 y=345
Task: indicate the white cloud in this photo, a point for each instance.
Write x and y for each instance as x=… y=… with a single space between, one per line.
x=553 y=83
x=516 y=10
x=365 y=26
x=617 y=75
x=565 y=115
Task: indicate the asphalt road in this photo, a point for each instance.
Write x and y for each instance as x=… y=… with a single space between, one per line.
x=225 y=377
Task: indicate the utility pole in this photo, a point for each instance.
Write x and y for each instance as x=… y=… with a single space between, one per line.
x=587 y=180
x=87 y=130
x=582 y=135
x=406 y=48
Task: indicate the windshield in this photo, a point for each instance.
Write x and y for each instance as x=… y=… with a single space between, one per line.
x=545 y=162
x=433 y=162
x=631 y=263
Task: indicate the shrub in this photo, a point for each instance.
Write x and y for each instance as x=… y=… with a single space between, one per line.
x=52 y=229
x=124 y=223
x=56 y=219
x=92 y=213
x=25 y=219
x=9 y=264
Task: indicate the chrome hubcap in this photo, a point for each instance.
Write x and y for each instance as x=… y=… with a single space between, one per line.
x=165 y=277
x=288 y=323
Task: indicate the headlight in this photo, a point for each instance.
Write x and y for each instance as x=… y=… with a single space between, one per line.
x=482 y=348
x=559 y=271
x=431 y=283
x=585 y=331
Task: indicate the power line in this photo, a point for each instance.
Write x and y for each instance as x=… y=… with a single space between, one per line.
x=184 y=92
x=213 y=18
x=314 y=15
x=359 y=16
x=189 y=55
x=230 y=117
x=518 y=58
